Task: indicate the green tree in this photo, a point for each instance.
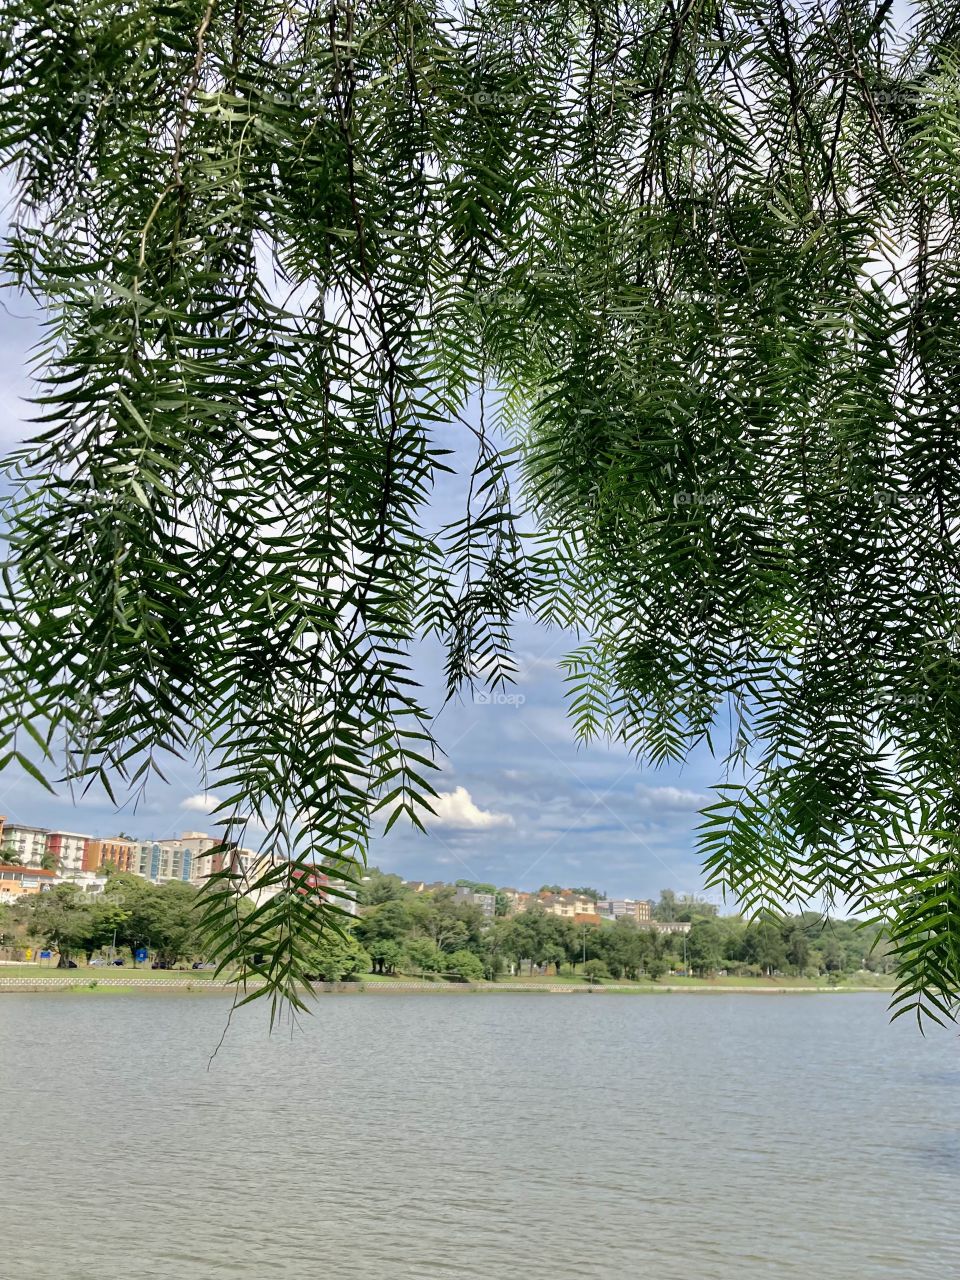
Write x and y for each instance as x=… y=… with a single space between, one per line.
x=337 y=958
x=171 y=921
x=625 y=948
x=386 y=955
x=388 y=922
x=465 y=965
x=528 y=936
x=704 y=946
x=107 y=919
x=763 y=945
x=422 y=955
x=595 y=970
x=585 y=891
x=478 y=886
x=494 y=961
x=796 y=945
x=163 y=918
x=666 y=909
x=378 y=886
x=451 y=925
x=63 y=919
x=708 y=260
x=832 y=954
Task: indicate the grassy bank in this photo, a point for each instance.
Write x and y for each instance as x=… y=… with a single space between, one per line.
x=624 y=986
x=102 y=971
x=98 y=978
x=89 y=979
x=855 y=981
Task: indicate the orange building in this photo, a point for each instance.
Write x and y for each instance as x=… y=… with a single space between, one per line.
x=115 y=851
x=15 y=882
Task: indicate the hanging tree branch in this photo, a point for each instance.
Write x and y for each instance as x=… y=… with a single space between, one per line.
x=705 y=257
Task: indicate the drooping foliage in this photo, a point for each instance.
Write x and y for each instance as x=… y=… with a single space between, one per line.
x=700 y=256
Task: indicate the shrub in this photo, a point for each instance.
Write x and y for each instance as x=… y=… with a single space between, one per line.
x=337 y=959
x=420 y=955
x=466 y=966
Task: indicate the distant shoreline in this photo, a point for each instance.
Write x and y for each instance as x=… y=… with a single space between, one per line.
x=190 y=986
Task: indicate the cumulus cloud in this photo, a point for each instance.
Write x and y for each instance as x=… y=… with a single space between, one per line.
x=201 y=803
x=671 y=798
x=457 y=811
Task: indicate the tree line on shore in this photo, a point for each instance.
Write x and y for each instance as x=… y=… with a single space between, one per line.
x=434 y=934
x=129 y=914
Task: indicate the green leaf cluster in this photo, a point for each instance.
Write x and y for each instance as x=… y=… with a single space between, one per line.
x=700 y=262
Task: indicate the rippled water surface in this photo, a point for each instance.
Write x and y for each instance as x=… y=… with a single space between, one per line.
x=507 y=1136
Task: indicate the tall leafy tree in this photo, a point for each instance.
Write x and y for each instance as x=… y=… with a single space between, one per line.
x=705 y=946
x=68 y=920
x=701 y=261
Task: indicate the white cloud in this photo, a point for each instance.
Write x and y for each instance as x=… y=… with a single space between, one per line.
x=671 y=798
x=530 y=666
x=201 y=803
x=456 y=810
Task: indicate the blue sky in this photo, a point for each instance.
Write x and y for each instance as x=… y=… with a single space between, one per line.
x=521 y=802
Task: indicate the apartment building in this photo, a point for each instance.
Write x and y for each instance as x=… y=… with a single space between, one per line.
x=189 y=850
x=184 y=857
x=163 y=860
x=566 y=904
x=487 y=902
x=640 y=910
x=118 y=852
x=188 y=857
x=72 y=851
x=68 y=847
x=28 y=843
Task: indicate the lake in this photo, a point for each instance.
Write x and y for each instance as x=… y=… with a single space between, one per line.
x=498 y=1136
